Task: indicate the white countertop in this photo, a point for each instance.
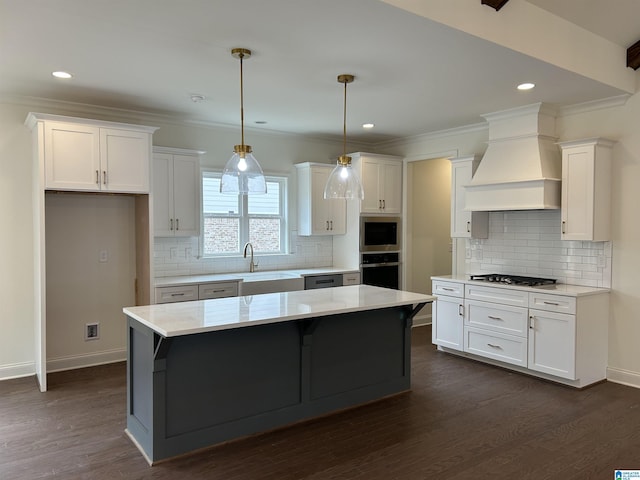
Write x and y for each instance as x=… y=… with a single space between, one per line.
x=556 y=289
x=246 y=276
x=185 y=318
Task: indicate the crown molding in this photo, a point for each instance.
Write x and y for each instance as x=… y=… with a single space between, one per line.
x=422 y=137
x=585 y=107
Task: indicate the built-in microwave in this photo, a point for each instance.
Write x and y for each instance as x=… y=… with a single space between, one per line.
x=379 y=234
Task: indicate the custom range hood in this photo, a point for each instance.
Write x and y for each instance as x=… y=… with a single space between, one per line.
x=521 y=169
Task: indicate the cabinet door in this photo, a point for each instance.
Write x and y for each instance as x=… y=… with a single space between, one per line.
x=71 y=156
x=552 y=343
x=124 y=160
x=465 y=224
x=448 y=323
x=577 y=193
x=320 y=208
x=162 y=195
x=391 y=180
x=372 y=202
x=186 y=195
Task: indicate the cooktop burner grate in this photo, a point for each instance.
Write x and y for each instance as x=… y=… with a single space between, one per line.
x=513 y=279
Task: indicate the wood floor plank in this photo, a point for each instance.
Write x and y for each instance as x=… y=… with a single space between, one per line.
x=462 y=420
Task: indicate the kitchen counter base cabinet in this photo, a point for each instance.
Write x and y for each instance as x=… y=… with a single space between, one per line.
x=188 y=392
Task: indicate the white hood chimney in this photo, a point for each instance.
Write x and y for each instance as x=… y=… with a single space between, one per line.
x=521 y=169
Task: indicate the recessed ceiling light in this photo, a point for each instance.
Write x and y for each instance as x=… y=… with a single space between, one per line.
x=197 y=98
x=368 y=125
x=61 y=74
x=526 y=86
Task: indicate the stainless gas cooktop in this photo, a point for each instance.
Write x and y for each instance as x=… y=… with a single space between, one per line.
x=507 y=279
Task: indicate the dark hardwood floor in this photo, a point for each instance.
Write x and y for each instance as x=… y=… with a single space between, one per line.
x=462 y=420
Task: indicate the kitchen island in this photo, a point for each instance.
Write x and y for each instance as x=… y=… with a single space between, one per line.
x=204 y=372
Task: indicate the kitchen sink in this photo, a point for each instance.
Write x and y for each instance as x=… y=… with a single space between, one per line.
x=270 y=282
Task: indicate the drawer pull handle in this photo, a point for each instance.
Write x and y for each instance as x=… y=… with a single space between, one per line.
x=531 y=325
x=177 y=294
x=461 y=310
x=494 y=318
x=448 y=289
x=218 y=291
x=494 y=346
x=551 y=303
x=564 y=224
x=97 y=177
x=468 y=227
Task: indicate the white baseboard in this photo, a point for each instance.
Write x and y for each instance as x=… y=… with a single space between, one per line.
x=17 y=370
x=420 y=320
x=86 y=360
x=624 y=377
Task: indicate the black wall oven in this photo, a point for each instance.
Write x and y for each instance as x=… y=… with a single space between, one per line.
x=380 y=234
x=381 y=269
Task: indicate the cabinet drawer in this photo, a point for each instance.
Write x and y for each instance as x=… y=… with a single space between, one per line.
x=505 y=348
x=451 y=289
x=505 y=296
x=217 y=290
x=351 y=278
x=498 y=318
x=176 y=294
x=552 y=303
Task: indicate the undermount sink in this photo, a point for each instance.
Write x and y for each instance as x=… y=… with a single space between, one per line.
x=270 y=282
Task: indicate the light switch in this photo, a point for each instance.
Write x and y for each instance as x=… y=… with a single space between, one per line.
x=104 y=256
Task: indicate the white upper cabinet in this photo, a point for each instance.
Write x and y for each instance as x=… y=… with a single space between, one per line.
x=586 y=189
x=176 y=192
x=465 y=224
x=381 y=177
x=317 y=215
x=90 y=155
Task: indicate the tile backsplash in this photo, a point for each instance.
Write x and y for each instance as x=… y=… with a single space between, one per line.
x=180 y=256
x=528 y=243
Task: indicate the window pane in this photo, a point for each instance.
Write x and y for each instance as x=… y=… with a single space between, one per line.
x=268 y=204
x=221 y=235
x=214 y=202
x=264 y=234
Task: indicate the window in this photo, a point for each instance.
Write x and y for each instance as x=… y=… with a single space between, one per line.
x=230 y=221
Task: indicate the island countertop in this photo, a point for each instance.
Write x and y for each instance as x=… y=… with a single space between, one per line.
x=186 y=318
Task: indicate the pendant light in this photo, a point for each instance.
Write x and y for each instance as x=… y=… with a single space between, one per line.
x=343 y=181
x=242 y=173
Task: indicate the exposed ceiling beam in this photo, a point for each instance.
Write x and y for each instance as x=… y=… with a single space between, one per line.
x=633 y=56
x=497 y=4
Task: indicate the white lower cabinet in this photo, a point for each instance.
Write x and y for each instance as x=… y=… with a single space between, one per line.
x=202 y=291
x=554 y=336
x=552 y=343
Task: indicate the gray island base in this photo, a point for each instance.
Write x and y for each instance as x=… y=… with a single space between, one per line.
x=277 y=359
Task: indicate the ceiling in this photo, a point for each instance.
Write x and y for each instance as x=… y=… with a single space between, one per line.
x=413 y=75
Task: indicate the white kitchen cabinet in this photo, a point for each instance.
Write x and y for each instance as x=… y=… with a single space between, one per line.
x=317 y=215
x=586 y=189
x=88 y=155
x=465 y=224
x=176 y=192
x=448 y=315
x=196 y=291
x=552 y=343
x=382 y=183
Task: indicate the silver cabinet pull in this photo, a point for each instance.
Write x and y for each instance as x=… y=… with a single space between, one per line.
x=171 y=224
x=177 y=224
x=564 y=224
x=551 y=303
x=327 y=225
x=448 y=289
x=461 y=310
x=494 y=318
x=468 y=227
x=97 y=177
x=531 y=318
x=177 y=294
x=494 y=346
x=384 y=204
x=331 y=222
x=104 y=177
x=379 y=204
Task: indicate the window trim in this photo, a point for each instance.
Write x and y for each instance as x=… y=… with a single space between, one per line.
x=283 y=181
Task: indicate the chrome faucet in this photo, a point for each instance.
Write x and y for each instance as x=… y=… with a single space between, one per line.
x=252 y=266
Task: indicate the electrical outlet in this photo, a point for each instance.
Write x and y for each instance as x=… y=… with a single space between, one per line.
x=92 y=331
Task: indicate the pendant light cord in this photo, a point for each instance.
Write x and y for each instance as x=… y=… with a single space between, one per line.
x=344 y=122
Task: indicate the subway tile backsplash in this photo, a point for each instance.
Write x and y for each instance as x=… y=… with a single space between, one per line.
x=528 y=243
x=180 y=256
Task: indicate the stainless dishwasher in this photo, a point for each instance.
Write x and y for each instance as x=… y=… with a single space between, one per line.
x=323 y=281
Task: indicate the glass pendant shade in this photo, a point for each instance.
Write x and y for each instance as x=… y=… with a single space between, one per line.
x=344 y=182
x=242 y=174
